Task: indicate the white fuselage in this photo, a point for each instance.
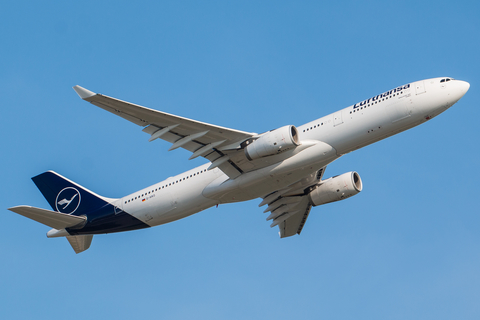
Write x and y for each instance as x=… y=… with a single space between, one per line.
x=322 y=141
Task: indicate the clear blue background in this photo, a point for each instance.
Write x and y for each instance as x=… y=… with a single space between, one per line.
x=407 y=247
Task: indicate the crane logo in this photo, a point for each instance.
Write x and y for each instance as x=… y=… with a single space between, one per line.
x=68 y=200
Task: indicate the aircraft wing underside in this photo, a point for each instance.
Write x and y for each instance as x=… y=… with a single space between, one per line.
x=288 y=212
x=219 y=145
x=289 y=207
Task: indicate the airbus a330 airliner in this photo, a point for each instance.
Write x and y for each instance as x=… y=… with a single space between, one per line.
x=284 y=166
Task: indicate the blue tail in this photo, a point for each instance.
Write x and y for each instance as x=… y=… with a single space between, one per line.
x=66 y=196
x=102 y=216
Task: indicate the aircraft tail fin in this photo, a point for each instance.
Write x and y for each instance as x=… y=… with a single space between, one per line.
x=65 y=196
x=71 y=204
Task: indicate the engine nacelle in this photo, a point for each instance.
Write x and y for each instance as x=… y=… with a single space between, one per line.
x=337 y=188
x=272 y=143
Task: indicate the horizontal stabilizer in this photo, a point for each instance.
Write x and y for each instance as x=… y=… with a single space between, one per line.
x=80 y=243
x=49 y=218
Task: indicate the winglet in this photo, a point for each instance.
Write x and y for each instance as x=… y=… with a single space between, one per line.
x=83 y=93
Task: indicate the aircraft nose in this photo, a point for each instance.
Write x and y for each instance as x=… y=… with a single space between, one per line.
x=459 y=89
x=464 y=86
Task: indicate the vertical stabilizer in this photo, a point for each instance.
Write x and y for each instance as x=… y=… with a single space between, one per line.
x=66 y=196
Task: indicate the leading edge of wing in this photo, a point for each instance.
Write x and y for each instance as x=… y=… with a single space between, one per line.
x=144 y=116
x=200 y=138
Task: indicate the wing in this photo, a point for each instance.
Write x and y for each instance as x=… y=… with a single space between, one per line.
x=289 y=208
x=289 y=213
x=219 y=145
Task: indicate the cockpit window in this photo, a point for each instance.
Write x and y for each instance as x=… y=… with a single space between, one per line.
x=443 y=80
x=448 y=79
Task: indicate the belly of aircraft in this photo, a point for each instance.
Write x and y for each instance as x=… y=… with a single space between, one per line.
x=260 y=182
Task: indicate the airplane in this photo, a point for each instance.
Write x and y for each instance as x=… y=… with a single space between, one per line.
x=284 y=167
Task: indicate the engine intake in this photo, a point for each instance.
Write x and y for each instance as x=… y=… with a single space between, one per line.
x=272 y=143
x=336 y=188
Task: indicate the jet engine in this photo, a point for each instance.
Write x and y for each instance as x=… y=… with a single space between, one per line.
x=336 y=188
x=272 y=143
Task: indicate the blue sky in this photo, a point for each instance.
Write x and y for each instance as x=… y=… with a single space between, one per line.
x=407 y=247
